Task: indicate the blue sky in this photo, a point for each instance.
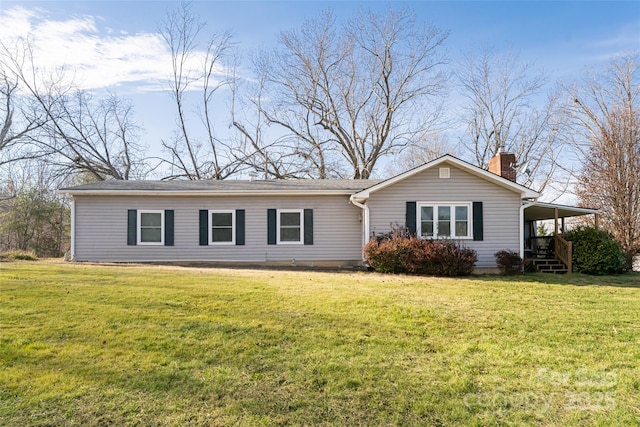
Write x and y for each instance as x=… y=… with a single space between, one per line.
x=554 y=34
x=115 y=45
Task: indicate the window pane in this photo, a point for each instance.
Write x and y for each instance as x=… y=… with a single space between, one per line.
x=150 y=219
x=426 y=228
x=444 y=228
x=426 y=213
x=290 y=234
x=461 y=213
x=150 y=234
x=461 y=228
x=221 y=219
x=289 y=218
x=444 y=213
x=222 y=235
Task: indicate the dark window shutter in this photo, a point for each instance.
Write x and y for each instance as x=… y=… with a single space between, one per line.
x=478 y=226
x=239 y=226
x=168 y=228
x=308 y=226
x=410 y=218
x=271 y=226
x=132 y=232
x=204 y=227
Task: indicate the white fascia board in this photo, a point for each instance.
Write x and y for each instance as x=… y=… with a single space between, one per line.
x=204 y=193
x=565 y=207
x=525 y=193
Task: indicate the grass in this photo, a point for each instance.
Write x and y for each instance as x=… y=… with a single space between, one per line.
x=143 y=345
x=18 y=255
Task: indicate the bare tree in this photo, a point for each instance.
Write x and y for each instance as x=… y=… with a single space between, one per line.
x=420 y=152
x=264 y=148
x=604 y=119
x=196 y=152
x=76 y=133
x=14 y=126
x=33 y=217
x=347 y=96
x=98 y=137
x=505 y=110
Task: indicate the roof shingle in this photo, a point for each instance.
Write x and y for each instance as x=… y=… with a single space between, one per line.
x=226 y=186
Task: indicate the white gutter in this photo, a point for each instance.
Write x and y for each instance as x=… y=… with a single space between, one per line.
x=365 y=220
x=192 y=193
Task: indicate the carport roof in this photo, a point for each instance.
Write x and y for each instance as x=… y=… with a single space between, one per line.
x=538 y=211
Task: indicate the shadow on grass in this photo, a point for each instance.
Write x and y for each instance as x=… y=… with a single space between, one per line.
x=626 y=280
x=211 y=265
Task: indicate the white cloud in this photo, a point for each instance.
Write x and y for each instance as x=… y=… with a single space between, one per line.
x=16 y=21
x=100 y=58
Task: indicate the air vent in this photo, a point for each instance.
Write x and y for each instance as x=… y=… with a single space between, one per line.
x=445 y=172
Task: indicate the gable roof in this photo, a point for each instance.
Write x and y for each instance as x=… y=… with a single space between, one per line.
x=222 y=187
x=525 y=192
x=359 y=189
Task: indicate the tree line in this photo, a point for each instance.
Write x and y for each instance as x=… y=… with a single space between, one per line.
x=334 y=99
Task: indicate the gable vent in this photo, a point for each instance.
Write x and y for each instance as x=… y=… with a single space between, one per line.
x=445 y=172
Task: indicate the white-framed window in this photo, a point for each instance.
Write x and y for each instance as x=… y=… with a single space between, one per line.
x=150 y=227
x=444 y=220
x=290 y=226
x=222 y=227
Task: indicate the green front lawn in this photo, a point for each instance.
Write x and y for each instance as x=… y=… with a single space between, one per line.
x=132 y=345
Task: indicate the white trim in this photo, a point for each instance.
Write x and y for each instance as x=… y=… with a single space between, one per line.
x=503 y=182
x=576 y=209
x=452 y=220
x=191 y=193
x=139 y=227
x=233 y=226
x=72 y=248
x=298 y=211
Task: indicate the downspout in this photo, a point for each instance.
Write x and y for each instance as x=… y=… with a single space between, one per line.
x=525 y=205
x=365 y=221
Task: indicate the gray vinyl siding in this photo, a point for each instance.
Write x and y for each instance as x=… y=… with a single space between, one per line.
x=500 y=207
x=101 y=229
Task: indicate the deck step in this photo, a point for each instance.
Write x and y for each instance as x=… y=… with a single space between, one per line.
x=553 y=266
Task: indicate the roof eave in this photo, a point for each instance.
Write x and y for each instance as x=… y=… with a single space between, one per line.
x=585 y=211
x=184 y=193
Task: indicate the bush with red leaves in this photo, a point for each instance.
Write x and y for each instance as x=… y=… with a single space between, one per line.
x=411 y=255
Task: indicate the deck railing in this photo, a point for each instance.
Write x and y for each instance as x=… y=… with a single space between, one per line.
x=564 y=251
x=552 y=247
x=541 y=247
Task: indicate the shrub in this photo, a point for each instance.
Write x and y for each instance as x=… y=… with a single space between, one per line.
x=18 y=255
x=595 y=252
x=389 y=255
x=509 y=262
x=411 y=255
x=447 y=258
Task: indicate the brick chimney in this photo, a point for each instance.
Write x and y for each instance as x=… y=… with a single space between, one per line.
x=504 y=164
